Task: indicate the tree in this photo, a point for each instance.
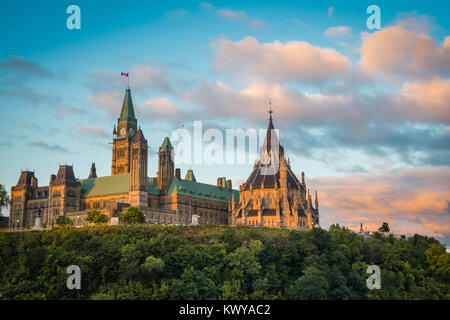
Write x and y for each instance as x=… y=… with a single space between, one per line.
x=63 y=221
x=384 y=227
x=96 y=216
x=153 y=265
x=311 y=286
x=4 y=198
x=132 y=215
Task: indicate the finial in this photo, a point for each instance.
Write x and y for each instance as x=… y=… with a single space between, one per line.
x=270 y=109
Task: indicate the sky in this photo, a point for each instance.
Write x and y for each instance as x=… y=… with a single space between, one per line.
x=364 y=113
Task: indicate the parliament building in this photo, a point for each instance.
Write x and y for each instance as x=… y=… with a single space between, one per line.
x=274 y=199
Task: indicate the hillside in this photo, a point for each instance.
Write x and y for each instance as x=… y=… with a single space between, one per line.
x=211 y=262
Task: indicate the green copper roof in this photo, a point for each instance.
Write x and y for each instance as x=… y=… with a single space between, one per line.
x=201 y=190
x=102 y=186
x=166 y=144
x=190 y=175
x=152 y=189
x=127 y=113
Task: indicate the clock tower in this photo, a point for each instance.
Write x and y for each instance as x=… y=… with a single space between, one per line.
x=123 y=136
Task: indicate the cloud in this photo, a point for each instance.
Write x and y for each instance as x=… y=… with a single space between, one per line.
x=160 y=107
x=330 y=11
x=425 y=100
x=151 y=76
x=47 y=147
x=240 y=16
x=276 y=61
x=409 y=199
x=110 y=101
x=23 y=66
x=177 y=13
x=230 y=14
x=398 y=53
x=68 y=111
x=338 y=31
x=206 y=5
x=91 y=131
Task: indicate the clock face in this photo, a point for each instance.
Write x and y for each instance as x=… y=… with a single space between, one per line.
x=123 y=132
x=131 y=132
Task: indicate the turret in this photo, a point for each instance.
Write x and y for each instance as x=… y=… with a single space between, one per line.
x=316 y=201
x=165 y=166
x=93 y=172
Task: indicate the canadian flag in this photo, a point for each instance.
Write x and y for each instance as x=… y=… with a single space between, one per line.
x=124 y=74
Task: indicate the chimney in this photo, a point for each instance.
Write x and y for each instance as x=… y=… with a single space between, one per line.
x=178 y=173
x=229 y=185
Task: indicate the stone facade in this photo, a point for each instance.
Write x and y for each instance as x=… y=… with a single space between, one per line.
x=272 y=196
x=273 y=199
x=164 y=199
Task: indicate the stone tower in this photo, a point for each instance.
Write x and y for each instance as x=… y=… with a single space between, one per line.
x=20 y=194
x=64 y=193
x=165 y=166
x=123 y=136
x=138 y=196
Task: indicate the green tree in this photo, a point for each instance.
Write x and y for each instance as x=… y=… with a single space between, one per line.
x=132 y=215
x=312 y=285
x=96 y=216
x=384 y=227
x=63 y=221
x=439 y=261
x=4 y=198
x=153 y=266
x=193 y=285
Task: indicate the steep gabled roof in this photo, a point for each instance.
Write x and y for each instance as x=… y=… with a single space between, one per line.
x=102 y=186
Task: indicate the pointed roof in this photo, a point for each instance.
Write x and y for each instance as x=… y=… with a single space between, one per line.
x=93 y=173
x=190 y=175
x=127 y=113
x=269 y=140
x=166 y=144
x=65 y=174
x=139 y=137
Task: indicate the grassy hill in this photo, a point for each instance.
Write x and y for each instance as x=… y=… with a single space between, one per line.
x=212 y=262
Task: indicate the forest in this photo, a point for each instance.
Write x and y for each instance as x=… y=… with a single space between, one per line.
x=219 y=262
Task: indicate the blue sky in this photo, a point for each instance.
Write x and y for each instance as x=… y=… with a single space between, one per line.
x=370 y=115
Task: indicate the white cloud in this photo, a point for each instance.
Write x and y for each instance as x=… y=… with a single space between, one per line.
x=338 y=31
x=231 y=14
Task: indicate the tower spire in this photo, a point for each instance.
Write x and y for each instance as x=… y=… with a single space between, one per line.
x=270 y=109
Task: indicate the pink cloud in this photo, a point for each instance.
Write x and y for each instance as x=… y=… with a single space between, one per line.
x=398 y=53
x=338 y=31
x=277 y=61
x=160 y=107
x=415 y=197
x=110 y=101
x=91 y=130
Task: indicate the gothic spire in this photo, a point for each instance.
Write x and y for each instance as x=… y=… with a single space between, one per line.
x=127 y=113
